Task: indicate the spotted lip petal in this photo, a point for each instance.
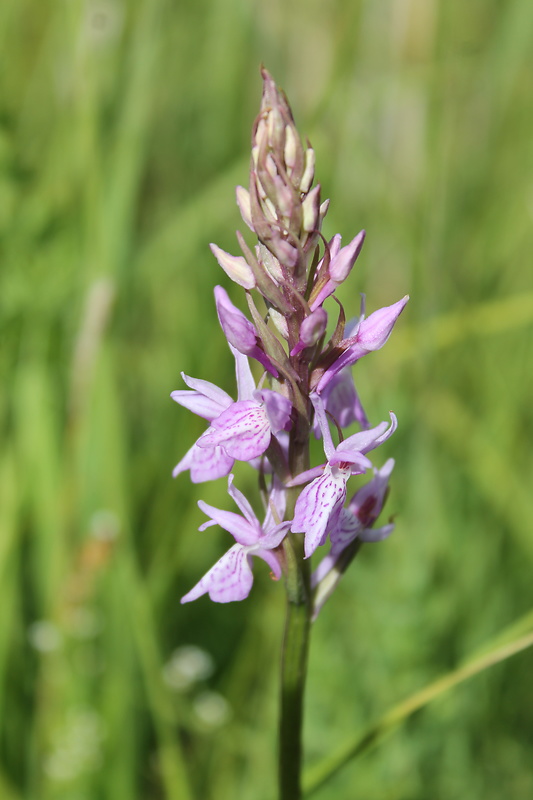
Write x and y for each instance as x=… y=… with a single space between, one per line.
x=243 y=430
x=318 y=507
x=228 y=580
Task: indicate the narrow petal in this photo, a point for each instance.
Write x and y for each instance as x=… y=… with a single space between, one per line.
x=320 y=412
x=271 y=559
x=307 y=475
x=273 y=538
x=317 y=508
x=277 y=502
x=207 y=463
x=208 y=389
x=243 y=373
x=325 y=566
x=376 y=534
x=364 y=441
x=228 y=580
x=198 y=403
x=242 y=531
x=241 y=501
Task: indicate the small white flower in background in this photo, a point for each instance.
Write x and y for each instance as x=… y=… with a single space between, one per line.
x=211 y=709
x=77 y=748
x=104 y=525
x=186 y=666
x=103 y=22
x=44 y=636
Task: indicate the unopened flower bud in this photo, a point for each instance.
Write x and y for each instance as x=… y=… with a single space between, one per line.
x=309 y=170
x=341 y=266
x=239 y=331
x=311 y=210
x=311 y=329
x=235 y=267
x=374 y=331
x=243 y=201
x=270 y=262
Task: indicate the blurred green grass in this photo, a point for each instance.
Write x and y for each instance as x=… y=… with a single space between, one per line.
x=124 y=127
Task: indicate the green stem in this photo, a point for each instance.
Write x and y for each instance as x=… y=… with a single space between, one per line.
x=293 y=670
x=297 y=622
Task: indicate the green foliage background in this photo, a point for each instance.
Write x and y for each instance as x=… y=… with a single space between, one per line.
x=124 y=127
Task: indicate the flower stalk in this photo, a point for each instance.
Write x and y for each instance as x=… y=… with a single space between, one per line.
x=301 y=385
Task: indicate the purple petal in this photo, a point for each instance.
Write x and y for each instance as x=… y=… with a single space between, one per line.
x=271 y=559
x=311 y=329
x=342 y=402
x=329 y=447
x=243 y=532
x=277 y=502
x=241 y=501
x=211 y=390
x=366 y=504
x=358 y=462
x=273 y=538
x=342 y=264
x=198 y=403
x=243 y=373
x=243 y=430
x=325 y=566
x=228 y=580
x=278 y=408
x=371 y=334
x=318 y=508
x=239 y=331
x=376 y=534
x=205 y=463
x=307 y=475
x=344 y=532
x=364 y=441
x=374 y=331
